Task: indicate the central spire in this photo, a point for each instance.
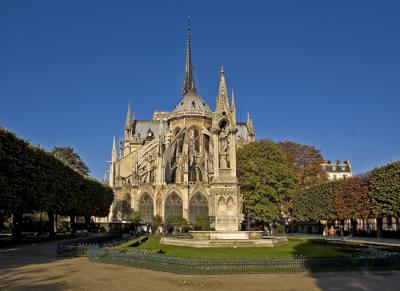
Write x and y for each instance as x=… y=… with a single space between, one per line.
x=188 y=83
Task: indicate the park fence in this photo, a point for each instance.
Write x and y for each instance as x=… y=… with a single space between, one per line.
x=79 y=247
x=183 y=265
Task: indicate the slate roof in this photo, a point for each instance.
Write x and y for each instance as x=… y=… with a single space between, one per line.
x=192 y=101
x=143 y=126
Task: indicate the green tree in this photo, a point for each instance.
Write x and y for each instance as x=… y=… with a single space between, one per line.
x=135 y=217
x=32 y=179
x=314 y=203
x=201 y=222
x=96 y=199
x=156 y=221
x=265 y=181
x=175 y=220
x=71 y=158
x=384 y=193
x=18 y=191
x=305 y=161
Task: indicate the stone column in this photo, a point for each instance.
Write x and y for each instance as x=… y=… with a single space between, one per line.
x=214 y=132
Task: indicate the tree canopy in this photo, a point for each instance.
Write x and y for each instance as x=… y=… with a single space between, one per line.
x=305 y=161
x=384 y=190
x=314 y=203
x=71 y=158
x=32 y=179
x=350 y=198
x=265 y=181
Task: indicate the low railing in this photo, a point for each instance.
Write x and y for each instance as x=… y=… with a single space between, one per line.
x=182 y=265
x=79 y=246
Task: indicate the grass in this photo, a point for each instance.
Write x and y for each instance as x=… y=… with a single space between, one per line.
x=295 y=247
x=134 y=242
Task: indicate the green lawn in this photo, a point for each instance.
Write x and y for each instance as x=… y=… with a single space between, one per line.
x=295 y=247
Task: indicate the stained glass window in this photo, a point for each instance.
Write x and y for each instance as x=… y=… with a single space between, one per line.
x=173 y=205
x=198 y=206
x=146 y=207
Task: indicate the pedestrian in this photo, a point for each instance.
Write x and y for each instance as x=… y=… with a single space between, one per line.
x=331 y=230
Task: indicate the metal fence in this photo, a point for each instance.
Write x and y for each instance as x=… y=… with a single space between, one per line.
x=79 y=247
x=184 y=265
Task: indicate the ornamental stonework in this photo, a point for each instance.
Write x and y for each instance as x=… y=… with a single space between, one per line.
x=182 y=162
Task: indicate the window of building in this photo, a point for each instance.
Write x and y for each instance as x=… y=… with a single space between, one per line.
x=173 y=205
x=146 y=207
x=198 y=206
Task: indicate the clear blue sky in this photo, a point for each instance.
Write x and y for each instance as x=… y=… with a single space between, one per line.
x=325 y=73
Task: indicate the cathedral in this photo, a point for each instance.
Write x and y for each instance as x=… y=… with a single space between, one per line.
x=182 y=162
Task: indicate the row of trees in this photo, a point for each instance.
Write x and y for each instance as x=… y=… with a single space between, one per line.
x=32 y=180
x=284 y=182
x=373 y=195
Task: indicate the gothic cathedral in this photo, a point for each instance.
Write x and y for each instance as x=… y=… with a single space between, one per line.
x=182 y=162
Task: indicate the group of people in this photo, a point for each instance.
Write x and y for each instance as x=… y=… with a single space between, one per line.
x=165 y=229
x=142 y=229
x=329 y=231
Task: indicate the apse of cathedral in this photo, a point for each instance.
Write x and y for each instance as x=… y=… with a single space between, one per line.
x=182 y=162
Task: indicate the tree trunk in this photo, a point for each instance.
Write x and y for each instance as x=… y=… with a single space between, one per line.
x=1 y=221
x=87 y=221
x=17 y=226
x=51 y=224
x=342 y=227
x=379 y=229
x=72 y=224
x=353 y=226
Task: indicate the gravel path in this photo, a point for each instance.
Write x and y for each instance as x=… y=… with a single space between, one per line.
x=37 y=267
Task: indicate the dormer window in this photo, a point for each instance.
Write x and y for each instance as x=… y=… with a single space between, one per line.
x=150 y=133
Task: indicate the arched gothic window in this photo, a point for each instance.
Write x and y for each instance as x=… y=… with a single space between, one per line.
x=180 y=143
x=125 y=206
x=195 y=174
x=193 y=141
x=177 y=130
x=206 y=141
x=198 y=206
x=173 y=176
x=146 y=207
x=173 y=205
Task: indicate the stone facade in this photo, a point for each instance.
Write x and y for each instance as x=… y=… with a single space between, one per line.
x=338 y=170
x=182 y=162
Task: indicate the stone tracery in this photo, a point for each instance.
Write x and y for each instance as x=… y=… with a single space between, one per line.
x=177 y=151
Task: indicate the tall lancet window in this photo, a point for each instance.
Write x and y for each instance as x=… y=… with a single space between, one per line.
x=193 y=141
x=146 y=207
x=173 y=205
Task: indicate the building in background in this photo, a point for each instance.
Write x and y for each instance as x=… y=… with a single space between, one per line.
x=337 y=170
